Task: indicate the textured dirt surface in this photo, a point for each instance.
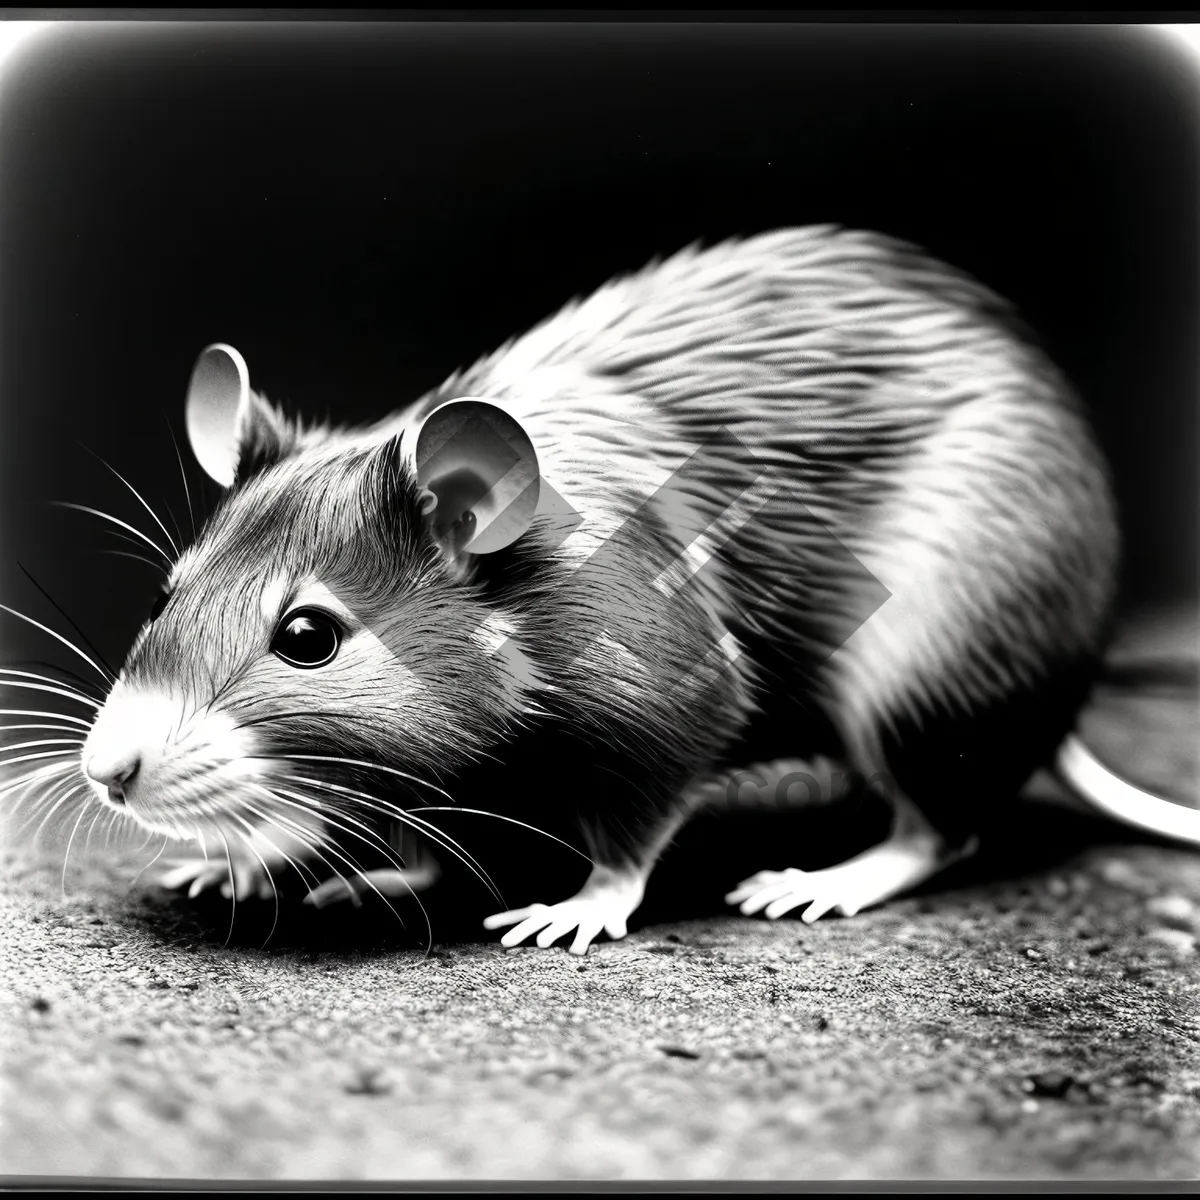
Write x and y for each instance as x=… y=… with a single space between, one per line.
x=1035 y=1015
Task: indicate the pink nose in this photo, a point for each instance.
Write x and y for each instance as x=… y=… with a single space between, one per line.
x=114 y=773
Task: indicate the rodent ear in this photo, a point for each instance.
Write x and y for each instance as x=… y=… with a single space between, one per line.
x=233 y=431
x=479 y=474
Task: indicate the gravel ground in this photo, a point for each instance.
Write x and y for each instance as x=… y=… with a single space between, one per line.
x=1035 y=1014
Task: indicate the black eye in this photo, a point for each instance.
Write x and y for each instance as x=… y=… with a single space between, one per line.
x=159 y=604
x=308 y=638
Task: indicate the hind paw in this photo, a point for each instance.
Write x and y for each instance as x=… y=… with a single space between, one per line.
x=870 y=878
x=774 y=893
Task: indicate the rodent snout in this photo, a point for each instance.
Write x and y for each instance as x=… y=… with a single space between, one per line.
x=114 y=773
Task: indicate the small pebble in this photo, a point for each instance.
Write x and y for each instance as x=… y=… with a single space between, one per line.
x=1030 y=952
x=1121 y=874
x=39 y=1005
x=1176 y=911
x=368 y=1083
x=678 y=1052
x=1054 y=1084
x=1184 y=943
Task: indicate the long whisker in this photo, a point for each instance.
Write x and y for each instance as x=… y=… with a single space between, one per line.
x=50 y=679
x=373 y=839
x=116 y=521
x=59 y=637
x=357 y=762
x=273 y=819
x=478 y=812
x=137 y=557
x=266 y=870
x=67 y=853
x=138 y=495
x=37 y=775
x=166 y=842
x=298 y=831
x=438 y=836
x=12 y=762
x=112 y=675
x=298 y=801
x=187 y=491
x=41 y=687
x=59 y=720
x=232 y=886
x=40 y=742
x=57 y=804
x=27 y=712
x=73 y=678
x=58 y=776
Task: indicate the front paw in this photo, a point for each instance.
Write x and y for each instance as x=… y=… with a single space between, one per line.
x=605 y=903
x=241 y=881
x=387 y=882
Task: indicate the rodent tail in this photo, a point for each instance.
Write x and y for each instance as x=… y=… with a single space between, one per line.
x=1106 y=791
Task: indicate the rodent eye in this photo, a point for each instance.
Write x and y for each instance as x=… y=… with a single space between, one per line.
x=159 y=604
x=308 y=638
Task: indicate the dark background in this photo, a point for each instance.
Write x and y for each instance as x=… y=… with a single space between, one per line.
x=361 y=209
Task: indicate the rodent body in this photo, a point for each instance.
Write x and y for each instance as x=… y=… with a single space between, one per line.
x=806 y=494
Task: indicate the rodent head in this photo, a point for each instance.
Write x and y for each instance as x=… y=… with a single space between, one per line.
x=326 y=610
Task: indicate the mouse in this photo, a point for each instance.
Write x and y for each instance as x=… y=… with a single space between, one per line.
x=807 y=494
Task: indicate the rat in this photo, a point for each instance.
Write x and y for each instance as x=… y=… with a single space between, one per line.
x=807 y=494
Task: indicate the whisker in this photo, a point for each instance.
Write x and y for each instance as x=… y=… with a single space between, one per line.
x=41 y=687
x=113 y=822
x=187 y=491
x=374 y=841
x=116 y=521
x=356 y=762
x=296 y=830
x=45 y=777
x=355 y=869
x=166 y=842
x=296 y=864
x=138 y=557
x=40 y=725
x=59 y=637
x=436 y=835
x=72 y=677
x=179 y=539
x=52 y=810
x=67 y=852
x=25 y=712
x=40 y=742
x=50 y=679
x=112 y=676
x=37 y=775
x=12 y=762
x=478 y=812
x=138 y=495
x=267 y=870
x=232 y=887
